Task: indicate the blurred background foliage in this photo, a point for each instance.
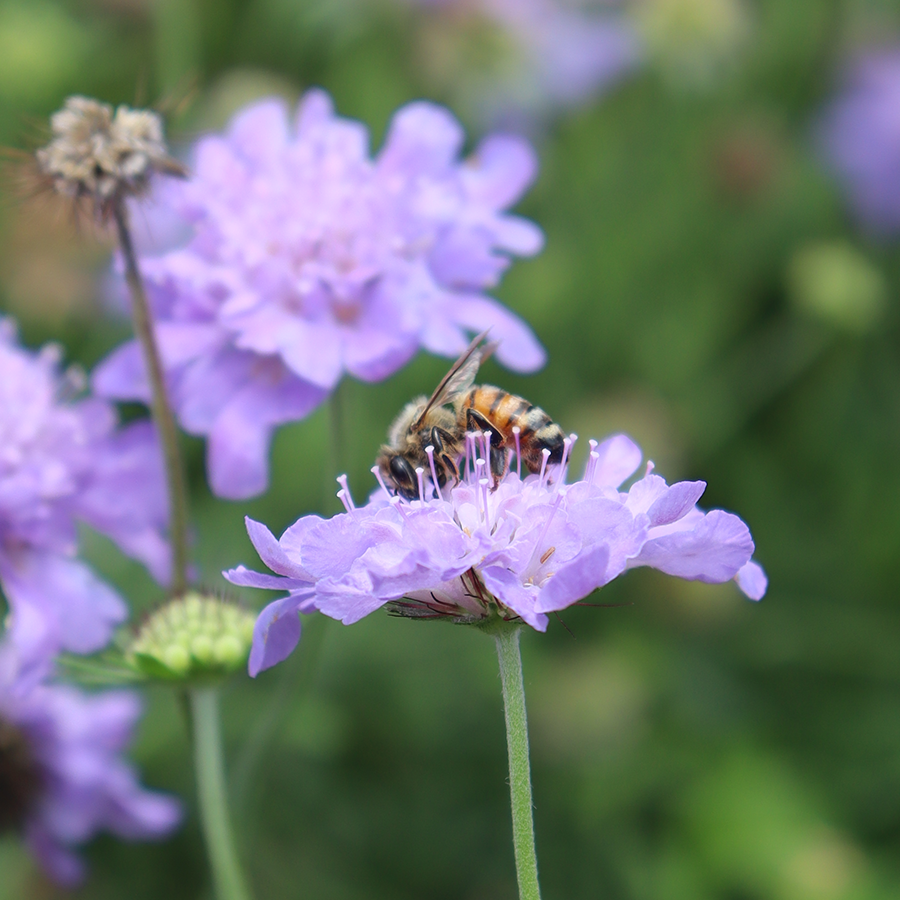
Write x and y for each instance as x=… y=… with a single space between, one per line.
x=702 y=288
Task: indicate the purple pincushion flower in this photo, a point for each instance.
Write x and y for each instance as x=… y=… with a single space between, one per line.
x=528 y=548
x=573 y=53
x=62 y=776
x=546 y=55
x=860 y=132
x=311 y=260
x=62 y=462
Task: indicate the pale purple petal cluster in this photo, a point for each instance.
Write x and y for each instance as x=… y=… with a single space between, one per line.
x=573 y=52
x=63 y=461
x=530 y=547
x=311 y=259
x=861 y=136
x=552 y=55
x=72 y=745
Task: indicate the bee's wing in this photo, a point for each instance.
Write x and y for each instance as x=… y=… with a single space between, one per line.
x=460 y=377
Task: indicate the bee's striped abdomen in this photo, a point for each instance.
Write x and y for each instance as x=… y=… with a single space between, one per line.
x=505 y=411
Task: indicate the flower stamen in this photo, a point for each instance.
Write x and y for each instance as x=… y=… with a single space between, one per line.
x=536 y=560
x=429 y=452
x=568 y=444
x=344 y=497
x=342 y=481
x=377 y=473
x=399 y=506
x=545 y=453
x=484 y=482
x=593 y=458
x=420 y=478
x=470 y=453
x=480 y=467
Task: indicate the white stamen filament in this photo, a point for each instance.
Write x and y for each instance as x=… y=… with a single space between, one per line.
x=545 y=453
x=420 y=477
x=342 y=481
x=429 y=452
x=591 y=465
x=470 y=453
x=484 y=482
x=377 y=473
x=538 y=558
x=568 y=444
x=399 y=506
x=479 y=476
x=486 y=438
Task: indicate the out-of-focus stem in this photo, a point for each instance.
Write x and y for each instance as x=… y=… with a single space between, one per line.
x=210 y=768
x=507 y=639
x=160 y=408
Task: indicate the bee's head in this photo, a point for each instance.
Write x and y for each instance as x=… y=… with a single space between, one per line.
x=399 y=474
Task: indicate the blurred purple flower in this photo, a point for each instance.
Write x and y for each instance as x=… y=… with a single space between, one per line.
x=548 y=54
x=311 y=260
x=530 y=547
x=860 y=133
x=64 y=461
x=62 y=777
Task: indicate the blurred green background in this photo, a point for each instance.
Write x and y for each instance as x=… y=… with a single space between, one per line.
x=702 y=289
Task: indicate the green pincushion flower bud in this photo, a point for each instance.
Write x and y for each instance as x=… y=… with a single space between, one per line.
x=193 y=637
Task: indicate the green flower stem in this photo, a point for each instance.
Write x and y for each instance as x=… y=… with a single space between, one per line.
x=226 y=870
x=519 y=766
x=159 y=403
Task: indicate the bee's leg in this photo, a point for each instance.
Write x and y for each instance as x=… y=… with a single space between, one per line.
x=475 y=421
x=499 y=461
x=450 y=470
x=441 y=440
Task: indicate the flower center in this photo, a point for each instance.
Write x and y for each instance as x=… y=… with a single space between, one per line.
x=20 y=777
x=346 y=312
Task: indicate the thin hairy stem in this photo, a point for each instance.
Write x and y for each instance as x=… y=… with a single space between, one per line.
x=519 y=765
x=160 y=408
x=210 y=771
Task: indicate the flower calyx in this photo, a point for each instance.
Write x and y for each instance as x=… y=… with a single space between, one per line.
x=464 y=601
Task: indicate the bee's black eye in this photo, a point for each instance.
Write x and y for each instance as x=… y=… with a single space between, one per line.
x=404 y=476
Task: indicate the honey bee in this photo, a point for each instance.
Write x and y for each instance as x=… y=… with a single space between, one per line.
x=425 y=422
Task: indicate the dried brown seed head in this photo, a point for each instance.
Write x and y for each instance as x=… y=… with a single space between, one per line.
x=103 y=156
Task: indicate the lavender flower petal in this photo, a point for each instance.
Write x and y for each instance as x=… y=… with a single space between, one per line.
x=521 y=550
x=861 y=140
x=713 y=550
x=276 y=633
x=79 y=611
x=63 y=461
x=83 y=784
x=312 y=259
x=751 y=579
